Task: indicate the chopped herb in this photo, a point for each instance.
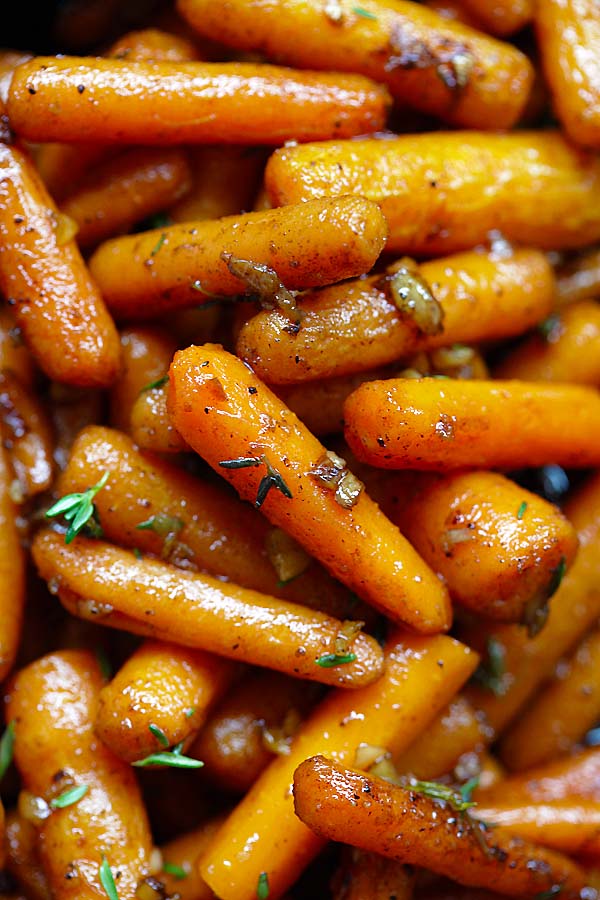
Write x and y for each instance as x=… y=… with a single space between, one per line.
x=162 y=524
x=412 y=296
x=263 y=282
x=536 y=610
x=172 y=758
x=242 y=462
x=80 y=511
x=155 y=384
x=363 y=13
x=103 y=663
x=176 y=871
x=436 y=791
x=271 y=480
x=68 y=798
x=466 y=790
x=521 y=509
x=550 y=328
x=262 y=887
x=159 y=734
x=490 y=672
x=331 y=472
x=160 y=220
x=330 y=660
x=137 y=553
x=158 y=244
x=557 y=576
x=106 y=879
x=190 y=712
x=550 y=893
x=7 y=743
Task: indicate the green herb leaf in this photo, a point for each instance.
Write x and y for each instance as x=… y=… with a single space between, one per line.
x=550 y=328
x=262 y=887
x=79 y=511
x=137 y=553
x=7 y=743
x=271 y=480
x=364 y=13
x=172 y=758
x=521 y=509
x=103 y=663
x=160 y=220
x=490 y=672
x=550 y=893
x=155 y=384
x=466 y=789
x=536 y=610
x=330 y=660
x=242 y=462
x=159 y=734
x=68 y=798
x=158 y=244
x=190 y=712
x=106 y=879
x=436 y=791
x=557 y=576
x=162 y=524
x=176 y=871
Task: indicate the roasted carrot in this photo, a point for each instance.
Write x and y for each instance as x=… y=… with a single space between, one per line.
x=23 y=857
x=428 y=424
x=559 y=717
x=52 y=703
x=180 y=873
x=159 y=698
x=575 y=777
x=497 y=546
x=146 y=354
x=154 y=45
x=226 y=414
x=197 y=524
x=12 y=571
x=14 y=355
x=56 y=304
x=111 y=586
x=9 y=60
x=262 y=835
x=369 y=876
x=27 y=436
x=453 y=10
x=257 y=718
x=501 y=17
x=579 y=278
x=525 y=663
x=358 y=325
x=571 y=826
x=150 y=425
x=405 y=824
x=180 y=265
x=443 y=68
x=122 y=191
x=188 y=102
x=568 y=36
x=445 y=191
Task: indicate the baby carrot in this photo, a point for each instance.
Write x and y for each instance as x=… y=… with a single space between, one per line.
x=434 y=188
x=357 y=326
x=579 y=278
x=453 y=10
x=180 y=874
x=571 y=826
x=180 y=265
x=52 y=703
x=501 y=17
x=146 y=354
x=56 y=304
x=188 y=102
x=226 y=414
x=429 y=424
x=262 y=834
x=159 y=698
x=9 y=60
x=154 y=45
x=568 y=36
x=27 y=435
x=575 y=777
x=150 y=425
x=405 y=824
x=559 y=717
x=369 y=876
x=148 y=597
x=23 y=857
x=443 y=68
x=12 y=572
x=120 y=192
x=14 y=355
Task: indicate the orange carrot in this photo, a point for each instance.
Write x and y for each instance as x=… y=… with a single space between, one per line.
x=187 y=102
x=446 y=191
x=571 y=777
x=579 y=278
x=453 y=10
x=52 y=703
x=12 y=571
x=443 y=68
x=571 y=826
x=109 y=585
x=14 y=355
x=9 y=60
x=180 y=265
x=56 y=304
x=184 y=852
x=23 y=857
x=150 y=426
x=369 y=876
x=226 y=414
x=428 y=424
x=262 y=833
x=146 y=354
x=357 y=326
x=155 y=45
x=27 y=436
x=405 y=824
x=501 y=17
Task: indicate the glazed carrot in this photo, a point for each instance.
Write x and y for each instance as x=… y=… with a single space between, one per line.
x=12 y=571
x=571 y=826
x=154 y=45
x=559 y=717
x=575 y=777
x=404 y=824
x=368 y=876
x=501 y=17
x=14 y=355
x=56 y=304
x=456 y=730
x=225 y=413
x=262 y=833
x=122 y=191
x=570 y=351
x=161 y=688
x=27 y=435
x=445 y=191
x=188 y=102
x=150 y=426
x=183 y=853
x=116 y=589
x=497 y=546
x=568 y=36
x=453 y=10
x=357 y=326
x=257 y=718
x=146 y=354
x=211 y=530
x=225 y=180
x=579 y=279
x=52 y=703
x=428 y=424
x=23 y=857
x=180 y=265
x=9 y=60
x=441 y=67
x=527 y=663
x=490 y=772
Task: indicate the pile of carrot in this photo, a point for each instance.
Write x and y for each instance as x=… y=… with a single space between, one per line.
x=300 y=452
